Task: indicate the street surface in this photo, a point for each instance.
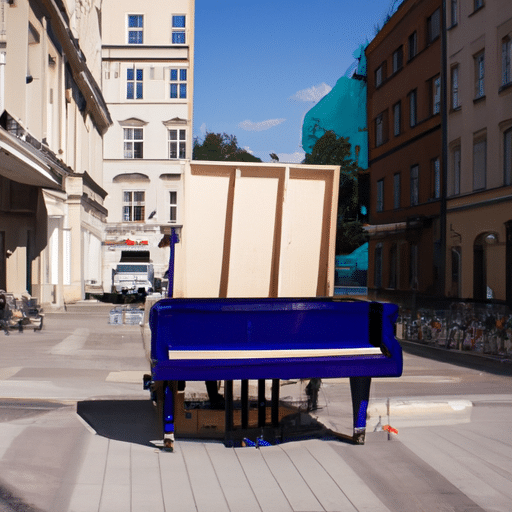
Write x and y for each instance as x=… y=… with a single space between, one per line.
x=76 y=431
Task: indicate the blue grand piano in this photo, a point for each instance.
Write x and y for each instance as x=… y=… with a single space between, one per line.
x=269 y=338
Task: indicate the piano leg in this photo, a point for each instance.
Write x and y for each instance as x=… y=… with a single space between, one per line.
x=360 y=389
x=245 y=404
x=168 y=415
x=262 y=403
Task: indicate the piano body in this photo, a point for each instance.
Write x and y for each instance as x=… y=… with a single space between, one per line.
x=227 y=339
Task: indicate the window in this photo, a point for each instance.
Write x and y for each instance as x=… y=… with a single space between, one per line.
x=454 y=12
x=380 y=195
x=173 y=206
x=134 y=84
x=413 y=267
x=455 y=87
x=436 y=95
x=479 y=75
x=413 y=45
x=393 y=264
x=456 y=170
x=506 y=52
x=398 y=56
x=135 y=29
x=397 y=119
x=133 y=205
x=479 y=163
x=478 y=4
x=436 y=178
x=379 y=130
x=396 y=191
x=456 y=268
x=178 y=81
x=415 y=185
x=133 y=142
x=412 y=108
x=177 y=143
x=380 y=74
x=433 y=26
x=377 y=277
x=507 y=156
x=178 y=29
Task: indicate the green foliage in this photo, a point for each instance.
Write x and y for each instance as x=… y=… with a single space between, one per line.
x=221 y=148
x=332 y=150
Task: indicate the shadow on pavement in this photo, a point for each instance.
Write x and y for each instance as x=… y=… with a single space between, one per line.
x=132 y=421
x=135 y=421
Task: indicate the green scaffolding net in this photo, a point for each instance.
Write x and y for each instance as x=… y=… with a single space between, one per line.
x=343 y=111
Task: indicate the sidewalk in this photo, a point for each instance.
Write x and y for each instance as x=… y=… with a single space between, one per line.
x=115 y=469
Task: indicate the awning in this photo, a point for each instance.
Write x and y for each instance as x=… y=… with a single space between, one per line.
x=385 y=228
x=20 y=163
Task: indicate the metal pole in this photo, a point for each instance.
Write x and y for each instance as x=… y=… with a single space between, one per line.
x=174 y=239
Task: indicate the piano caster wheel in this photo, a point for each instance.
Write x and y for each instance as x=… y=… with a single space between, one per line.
x=359 y=436
x=168 y=445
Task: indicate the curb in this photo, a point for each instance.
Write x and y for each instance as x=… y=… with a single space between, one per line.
x=402 y=408
x=481 y=362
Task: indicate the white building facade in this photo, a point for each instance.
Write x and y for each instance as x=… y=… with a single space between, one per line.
x=147 y=80
x=53 y=118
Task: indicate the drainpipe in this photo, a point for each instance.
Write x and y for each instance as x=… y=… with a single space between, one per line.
x=444 y=152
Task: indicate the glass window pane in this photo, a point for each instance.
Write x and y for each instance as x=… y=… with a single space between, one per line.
x=456 y=170
x=135 y=37
x=183 y=90
x=127 y=197
x=178 y=37
x=173 y=214
x=139 y=74
x=396 y=191
x=183 y=75
x=135 y=21
x=174 y=90
x=126 y=213
x=138 y=213
x=174 y=75
x=479 y=165
x=173 y=150
x=129 y=91
x=137 y=150
x=183 y=150
x=173 y=134
x=139 y=90
x=173 y=196
x=183 y=134
x=138 y=196
x=178 y=21
x=129 y=74
x=137 y=133
x=128 y=150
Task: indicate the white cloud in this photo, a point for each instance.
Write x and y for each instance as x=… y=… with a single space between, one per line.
x=314 y=93
x=203 y=129
x=249 y=150
x=262 y=125
x=291 y=158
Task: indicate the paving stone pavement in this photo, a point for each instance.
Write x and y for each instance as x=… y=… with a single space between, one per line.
x=200 y=476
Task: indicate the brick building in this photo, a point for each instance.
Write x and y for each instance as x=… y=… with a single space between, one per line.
x=405 y=153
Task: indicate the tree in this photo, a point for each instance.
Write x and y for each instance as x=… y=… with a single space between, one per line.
x=331 y=150
x=220 y=148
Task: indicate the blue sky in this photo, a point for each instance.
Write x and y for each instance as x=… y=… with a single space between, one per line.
x=260 y=66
